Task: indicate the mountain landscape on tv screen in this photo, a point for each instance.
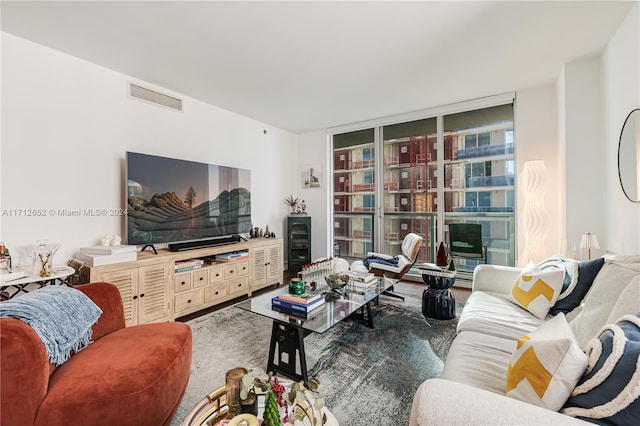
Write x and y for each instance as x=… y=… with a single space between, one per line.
x=167 y=217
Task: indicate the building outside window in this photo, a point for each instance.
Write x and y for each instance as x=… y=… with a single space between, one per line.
x=432 y=172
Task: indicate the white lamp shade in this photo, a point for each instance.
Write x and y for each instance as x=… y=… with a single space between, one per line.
x=589 y=241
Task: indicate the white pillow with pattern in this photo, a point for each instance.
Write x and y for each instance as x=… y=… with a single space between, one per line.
x=546 y=365
x=536 y=290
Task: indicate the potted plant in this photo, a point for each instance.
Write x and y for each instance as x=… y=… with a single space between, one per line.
x=298 y=395
x=292 y=203
x=248 y=398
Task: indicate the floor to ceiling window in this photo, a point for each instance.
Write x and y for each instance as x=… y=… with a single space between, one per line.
x=481 y=185
x=433 y=171
x=354 y=200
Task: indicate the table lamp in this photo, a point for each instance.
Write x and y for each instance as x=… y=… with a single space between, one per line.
x=589 y=241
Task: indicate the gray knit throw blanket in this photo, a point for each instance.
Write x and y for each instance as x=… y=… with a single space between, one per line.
x=61 y=316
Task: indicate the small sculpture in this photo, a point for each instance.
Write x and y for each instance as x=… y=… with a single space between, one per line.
x=441 y=257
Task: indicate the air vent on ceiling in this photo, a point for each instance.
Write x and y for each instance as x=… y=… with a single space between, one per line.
x=148 y=95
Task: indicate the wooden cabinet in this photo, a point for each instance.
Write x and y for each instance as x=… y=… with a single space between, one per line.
x=267 y=264
x=210 y=285
x=144 y=291
x=152 y=291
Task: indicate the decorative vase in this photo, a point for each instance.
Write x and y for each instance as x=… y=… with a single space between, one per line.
x=42 y=258
x=441 y=257
x=249 y=404
x=233 y=385
x=296 y=286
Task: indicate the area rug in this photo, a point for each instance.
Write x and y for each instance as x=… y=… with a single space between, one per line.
x=367 y=376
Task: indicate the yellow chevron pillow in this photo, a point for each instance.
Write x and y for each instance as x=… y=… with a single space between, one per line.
x=536 y=290
x=546 y=365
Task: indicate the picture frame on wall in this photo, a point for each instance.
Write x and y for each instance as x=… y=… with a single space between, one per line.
x=311 y=177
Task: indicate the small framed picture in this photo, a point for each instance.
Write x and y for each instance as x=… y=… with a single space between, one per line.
x=311 y=177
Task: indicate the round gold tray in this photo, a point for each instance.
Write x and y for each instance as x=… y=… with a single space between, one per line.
x=212 y=411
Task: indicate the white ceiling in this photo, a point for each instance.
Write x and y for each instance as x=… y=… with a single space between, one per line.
x=303 y=66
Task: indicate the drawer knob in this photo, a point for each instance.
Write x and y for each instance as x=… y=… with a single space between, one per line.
x=189 y=301
x=217 y=292
x=201 y=278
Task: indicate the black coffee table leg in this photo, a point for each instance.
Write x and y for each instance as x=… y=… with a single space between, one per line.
x=364 y=315
x=286 y=349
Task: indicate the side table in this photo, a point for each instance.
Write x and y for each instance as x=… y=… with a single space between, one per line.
x=30 y=282
x=437 y=300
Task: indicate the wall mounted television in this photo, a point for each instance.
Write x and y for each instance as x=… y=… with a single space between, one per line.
x=177 y=201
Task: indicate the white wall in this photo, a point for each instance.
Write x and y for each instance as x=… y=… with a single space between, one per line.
x=586 y=174
x=313 y=152
x=621 y=70
x=66 y=125
x=537 y=139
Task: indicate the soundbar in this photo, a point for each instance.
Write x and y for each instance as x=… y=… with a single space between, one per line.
x=209 y=242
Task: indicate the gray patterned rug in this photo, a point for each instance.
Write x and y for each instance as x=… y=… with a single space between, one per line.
x=367 y=376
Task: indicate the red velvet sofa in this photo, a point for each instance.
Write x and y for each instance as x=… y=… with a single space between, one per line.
x=127 y=376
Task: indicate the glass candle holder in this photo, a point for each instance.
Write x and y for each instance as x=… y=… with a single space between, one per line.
x=233 y=385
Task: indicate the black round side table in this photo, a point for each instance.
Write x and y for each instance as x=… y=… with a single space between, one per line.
x=437 y=300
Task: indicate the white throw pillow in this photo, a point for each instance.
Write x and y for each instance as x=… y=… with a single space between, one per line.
x=536 y=290
x=612 y=279
x=546 y=365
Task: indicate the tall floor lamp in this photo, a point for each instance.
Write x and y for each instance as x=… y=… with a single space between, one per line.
x=532 y=181
x=589 y=241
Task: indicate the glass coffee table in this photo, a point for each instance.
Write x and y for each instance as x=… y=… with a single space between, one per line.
x=286 y=352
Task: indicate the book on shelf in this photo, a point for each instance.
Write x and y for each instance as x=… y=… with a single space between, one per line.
x=106 y=259
x=297 y=306
x=232 y=259
x=187 y=268
x=301 y=299
x=300 y=315
x=108 y=249
x=236 y=255
x=190 y=262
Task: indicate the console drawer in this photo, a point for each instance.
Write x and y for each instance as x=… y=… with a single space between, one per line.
x=215 y=292
x=182 y=282
x=200 y=278
x=236 y=269
x=189 y=300
x=239 y=285
x=216 y=274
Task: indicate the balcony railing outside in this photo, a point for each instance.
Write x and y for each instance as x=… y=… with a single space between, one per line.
x=485 y=151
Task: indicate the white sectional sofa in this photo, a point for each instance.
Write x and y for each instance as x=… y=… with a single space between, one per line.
x=472 y=387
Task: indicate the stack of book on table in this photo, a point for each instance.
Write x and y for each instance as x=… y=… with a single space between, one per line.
x=302 y=306
x=362 y=282
x=435 y=270
x=188 y=265
x=233 y=256
x=106 y=255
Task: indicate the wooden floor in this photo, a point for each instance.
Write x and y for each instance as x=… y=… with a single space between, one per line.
x=460 y=294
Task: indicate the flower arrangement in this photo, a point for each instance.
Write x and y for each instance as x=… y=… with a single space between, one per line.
x=292 y=202
x=279 y=396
